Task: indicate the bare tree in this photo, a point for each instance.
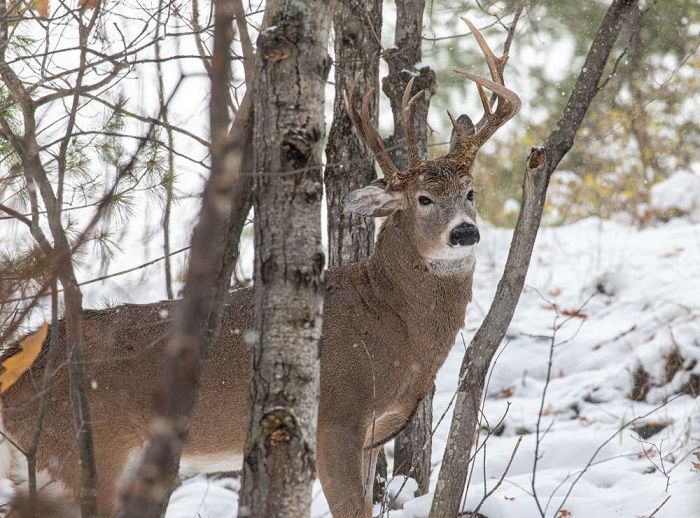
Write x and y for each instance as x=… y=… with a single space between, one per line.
x=413 y=446
x=279 y=463
x=358 y=27
x=540 y=165
x=350 y=165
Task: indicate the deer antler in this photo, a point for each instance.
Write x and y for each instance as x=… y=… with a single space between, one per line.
x=508 y=102
x=409 y=128
x=369 y=134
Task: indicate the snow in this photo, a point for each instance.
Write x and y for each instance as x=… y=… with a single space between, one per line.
x=680 y=192
x=619 y=297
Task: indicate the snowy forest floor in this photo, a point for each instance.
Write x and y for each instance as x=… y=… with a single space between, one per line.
x=619 y=310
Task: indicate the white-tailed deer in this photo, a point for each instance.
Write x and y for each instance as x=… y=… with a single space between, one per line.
x=389 y=322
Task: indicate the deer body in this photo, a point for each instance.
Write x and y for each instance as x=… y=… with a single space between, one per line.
x=389 y=322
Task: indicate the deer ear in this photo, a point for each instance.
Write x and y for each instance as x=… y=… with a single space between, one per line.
x=465 y=124
x=373 y=201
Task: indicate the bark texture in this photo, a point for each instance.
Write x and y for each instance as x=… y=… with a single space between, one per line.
x=540 y=165
x=413 y=446
x=290 y=75
x=213 y=257
x=350 y=165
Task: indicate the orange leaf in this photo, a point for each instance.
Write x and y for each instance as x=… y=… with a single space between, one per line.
x=19 y=363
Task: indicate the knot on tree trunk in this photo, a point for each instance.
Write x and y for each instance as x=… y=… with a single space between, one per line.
x=401 y=71
x=278 y=426
x=273 y=46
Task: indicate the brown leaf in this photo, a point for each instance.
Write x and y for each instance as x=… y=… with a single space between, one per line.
x=41 y=7
x=547 y=410
x=89 y=4
x=506 y=393
x=696 y=465
x=19 y=363
x=575 y=313
x=564 y=514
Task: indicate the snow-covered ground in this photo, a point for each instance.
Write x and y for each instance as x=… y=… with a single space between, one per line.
x=619 y=298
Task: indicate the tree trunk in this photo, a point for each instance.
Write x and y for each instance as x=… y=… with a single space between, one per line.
x=540 y=166
x=290 y=76
x=350 y=166
x=413 y=446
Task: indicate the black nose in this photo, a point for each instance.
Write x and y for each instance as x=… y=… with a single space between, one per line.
x=464 y=234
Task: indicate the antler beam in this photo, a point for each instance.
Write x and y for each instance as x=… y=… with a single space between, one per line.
x=408 y=126
x=369 y=134
x=508 y=102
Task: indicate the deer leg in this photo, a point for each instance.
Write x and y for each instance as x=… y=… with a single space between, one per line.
x=346 y=472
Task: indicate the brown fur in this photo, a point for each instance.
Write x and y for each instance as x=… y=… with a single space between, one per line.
x=388 y=325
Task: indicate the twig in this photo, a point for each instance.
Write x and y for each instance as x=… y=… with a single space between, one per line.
x=659 y=508
x=503 y=476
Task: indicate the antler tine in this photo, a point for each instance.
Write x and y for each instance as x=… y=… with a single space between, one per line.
x=494 y=63
x=368 y=133
x=508 y=102
x=409 y=128
x=374 y=141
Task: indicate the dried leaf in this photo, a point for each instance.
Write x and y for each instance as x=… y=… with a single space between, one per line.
x=42 y=7
x=564 y=514
x=18 y=364
x=89 y=4
x=575 y=313
x=696 y=465
x=506 y=393
x=547 y=410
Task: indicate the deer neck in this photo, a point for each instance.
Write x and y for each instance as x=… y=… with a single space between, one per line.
x=427 y=295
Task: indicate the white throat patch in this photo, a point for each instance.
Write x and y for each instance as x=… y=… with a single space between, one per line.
x=452 y=264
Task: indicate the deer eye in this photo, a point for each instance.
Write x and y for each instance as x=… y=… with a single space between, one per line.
x=470 y=195
x=424 y=200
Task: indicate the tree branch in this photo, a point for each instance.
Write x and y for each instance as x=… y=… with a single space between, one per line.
x=540 y=165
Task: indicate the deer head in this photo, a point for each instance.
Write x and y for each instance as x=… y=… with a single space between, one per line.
x=435 y=197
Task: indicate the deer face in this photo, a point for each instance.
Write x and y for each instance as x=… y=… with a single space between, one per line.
x=433 y=200
x=436 y=205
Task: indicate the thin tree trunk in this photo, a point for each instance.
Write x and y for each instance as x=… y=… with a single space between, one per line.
x=350 y=165
x=539 y=168
x=413 y=446
x=213 y=257
x=358 y=24
x=290 y=75
x=169 y=176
